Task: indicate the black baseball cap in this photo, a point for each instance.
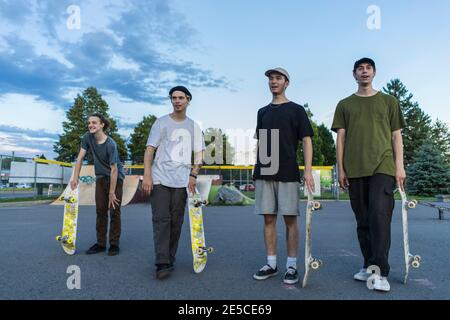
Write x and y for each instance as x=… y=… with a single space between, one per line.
x=182 y=89
x=364 y=60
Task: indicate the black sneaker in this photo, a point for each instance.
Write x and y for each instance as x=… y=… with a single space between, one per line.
x=265 y=273
x=291 y=276
x=96 y=249
x=163 y=270
x=113 y=250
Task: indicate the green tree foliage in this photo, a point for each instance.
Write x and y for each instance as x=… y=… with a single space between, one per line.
x=429 y=173
x=217 y=148
x=138 y=139
x=328 y=148
x=440 y=135
x=75 y=127
x=418 y=123
x=318 y=157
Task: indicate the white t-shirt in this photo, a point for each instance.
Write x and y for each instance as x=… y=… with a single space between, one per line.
x=175 y=142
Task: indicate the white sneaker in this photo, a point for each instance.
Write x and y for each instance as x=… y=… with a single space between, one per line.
x=362 y=275
x=381 y=284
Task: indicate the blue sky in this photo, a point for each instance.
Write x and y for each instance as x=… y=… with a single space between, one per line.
x=134 y=51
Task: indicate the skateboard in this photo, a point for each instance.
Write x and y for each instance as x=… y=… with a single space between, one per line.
x=68 y=236
x=410 y=260
x=199 y=249
x=310 y=262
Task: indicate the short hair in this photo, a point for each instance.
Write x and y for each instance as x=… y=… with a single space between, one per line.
x=364 y=60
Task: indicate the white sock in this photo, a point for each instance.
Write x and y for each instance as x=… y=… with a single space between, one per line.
x=291 y=262
x=272 y=261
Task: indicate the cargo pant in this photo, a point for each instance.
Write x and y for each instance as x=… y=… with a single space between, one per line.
x=372 y=201
x=168 y=206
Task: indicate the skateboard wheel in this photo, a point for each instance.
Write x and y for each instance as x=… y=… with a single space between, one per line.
x=315 y=264
x=72 y=199
x=415 y=264
x=415 y=201
x=417 y=258
x=58 y=238
x=411 y=205
x=210 y=250
x=200 y=251
x=316 y=205
x=69 y=241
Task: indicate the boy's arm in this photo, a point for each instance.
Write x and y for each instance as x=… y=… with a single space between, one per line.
x=147 y=184
x=397 y=146
x=198 y=161
x=308 y=155
x=76 y=173
x=113 y=201
x=340 y=145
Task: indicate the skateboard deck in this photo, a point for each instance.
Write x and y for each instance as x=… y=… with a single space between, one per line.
x=410 y=259
x=68 y=237
x=310 y=262
x=199 y=249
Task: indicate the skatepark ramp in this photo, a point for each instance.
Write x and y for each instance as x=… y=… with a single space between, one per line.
x=132 y=189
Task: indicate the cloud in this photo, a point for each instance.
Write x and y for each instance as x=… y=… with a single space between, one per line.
x=119 y=47
x=29 y=112
x=126 y=49
x=26 y=143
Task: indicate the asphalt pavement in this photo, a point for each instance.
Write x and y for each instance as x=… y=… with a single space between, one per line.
x=34 y=266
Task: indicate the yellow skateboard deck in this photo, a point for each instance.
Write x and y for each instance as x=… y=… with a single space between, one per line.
x=199 y=249
x=68 y=237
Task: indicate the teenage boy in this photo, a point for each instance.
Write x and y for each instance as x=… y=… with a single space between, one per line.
x=280 y=126
x=370 y=162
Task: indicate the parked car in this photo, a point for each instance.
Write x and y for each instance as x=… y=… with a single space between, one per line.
x=247 y=187
x=22 y=186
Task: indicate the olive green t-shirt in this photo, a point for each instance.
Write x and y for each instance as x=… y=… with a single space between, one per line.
x=368 y=123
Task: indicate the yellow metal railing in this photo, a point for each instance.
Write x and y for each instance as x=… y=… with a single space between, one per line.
x=207 y=167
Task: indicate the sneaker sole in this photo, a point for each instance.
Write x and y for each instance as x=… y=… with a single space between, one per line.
x=290 y=281
x=264 y=277
x=382 y=290
x=89 y=253
x=164 y=273
x=360 y=279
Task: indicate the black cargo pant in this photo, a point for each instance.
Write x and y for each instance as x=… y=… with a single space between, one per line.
x=168 y=206
x=372 y=201
x=101 y=202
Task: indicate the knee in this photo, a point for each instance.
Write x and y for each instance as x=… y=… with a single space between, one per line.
x=270 y=220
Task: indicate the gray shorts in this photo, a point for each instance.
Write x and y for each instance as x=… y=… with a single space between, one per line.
x=274 y=197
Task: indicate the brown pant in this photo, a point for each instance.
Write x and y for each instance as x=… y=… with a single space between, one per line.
x=168 y=206
x=101 y=202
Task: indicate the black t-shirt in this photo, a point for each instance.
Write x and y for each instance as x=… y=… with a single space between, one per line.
x=293 y=124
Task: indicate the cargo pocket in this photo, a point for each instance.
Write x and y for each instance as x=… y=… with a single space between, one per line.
x=390 y=202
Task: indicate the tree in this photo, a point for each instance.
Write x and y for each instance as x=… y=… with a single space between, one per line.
x=218 y=146
x=75 y=127
x=328 y=148
x=429 y=173
x=318 y=157
x=6 y=162
x=138 y=139
x=440 y=135
x=418 y=123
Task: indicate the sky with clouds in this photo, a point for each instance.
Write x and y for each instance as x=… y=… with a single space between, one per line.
x=135 y=51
